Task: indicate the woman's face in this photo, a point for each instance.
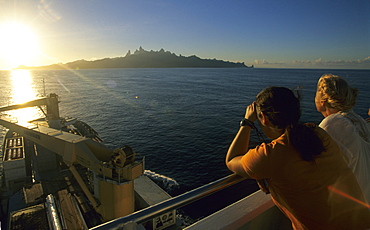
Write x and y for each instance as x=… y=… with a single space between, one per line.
x=259 y=118
x=318 y=102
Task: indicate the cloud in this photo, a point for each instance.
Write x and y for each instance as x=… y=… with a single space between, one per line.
x=318 y=63
x=265 y=62
x=340 y=62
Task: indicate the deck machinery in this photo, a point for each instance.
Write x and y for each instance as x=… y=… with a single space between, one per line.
x=113 y=171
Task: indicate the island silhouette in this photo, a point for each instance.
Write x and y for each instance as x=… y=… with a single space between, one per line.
x=144 y=59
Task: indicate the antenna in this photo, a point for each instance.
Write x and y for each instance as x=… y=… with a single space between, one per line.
x=43 y=83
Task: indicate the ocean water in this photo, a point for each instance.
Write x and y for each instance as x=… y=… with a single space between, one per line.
x=181 y=120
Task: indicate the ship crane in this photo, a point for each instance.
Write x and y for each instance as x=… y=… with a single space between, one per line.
x=114 y=170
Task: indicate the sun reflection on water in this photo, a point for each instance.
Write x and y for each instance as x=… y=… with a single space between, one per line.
x=23 y=90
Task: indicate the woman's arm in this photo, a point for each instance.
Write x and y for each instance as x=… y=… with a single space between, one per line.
x=237 y=149
x=240 y=144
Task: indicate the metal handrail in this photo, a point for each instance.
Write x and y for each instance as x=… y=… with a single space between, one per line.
x=171 y=204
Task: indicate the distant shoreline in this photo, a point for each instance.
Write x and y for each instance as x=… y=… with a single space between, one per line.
x=143 y=59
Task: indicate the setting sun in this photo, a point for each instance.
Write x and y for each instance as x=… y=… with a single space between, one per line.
x=18 y=44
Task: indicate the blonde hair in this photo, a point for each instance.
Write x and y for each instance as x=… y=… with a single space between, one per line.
x=336 y=92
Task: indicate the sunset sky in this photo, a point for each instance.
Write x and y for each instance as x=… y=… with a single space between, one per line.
x=268 y=34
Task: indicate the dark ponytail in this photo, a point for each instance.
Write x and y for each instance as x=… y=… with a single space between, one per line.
x=282 y=108
x=305 y=140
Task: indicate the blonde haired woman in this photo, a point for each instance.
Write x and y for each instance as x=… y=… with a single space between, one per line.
x=335 y=100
